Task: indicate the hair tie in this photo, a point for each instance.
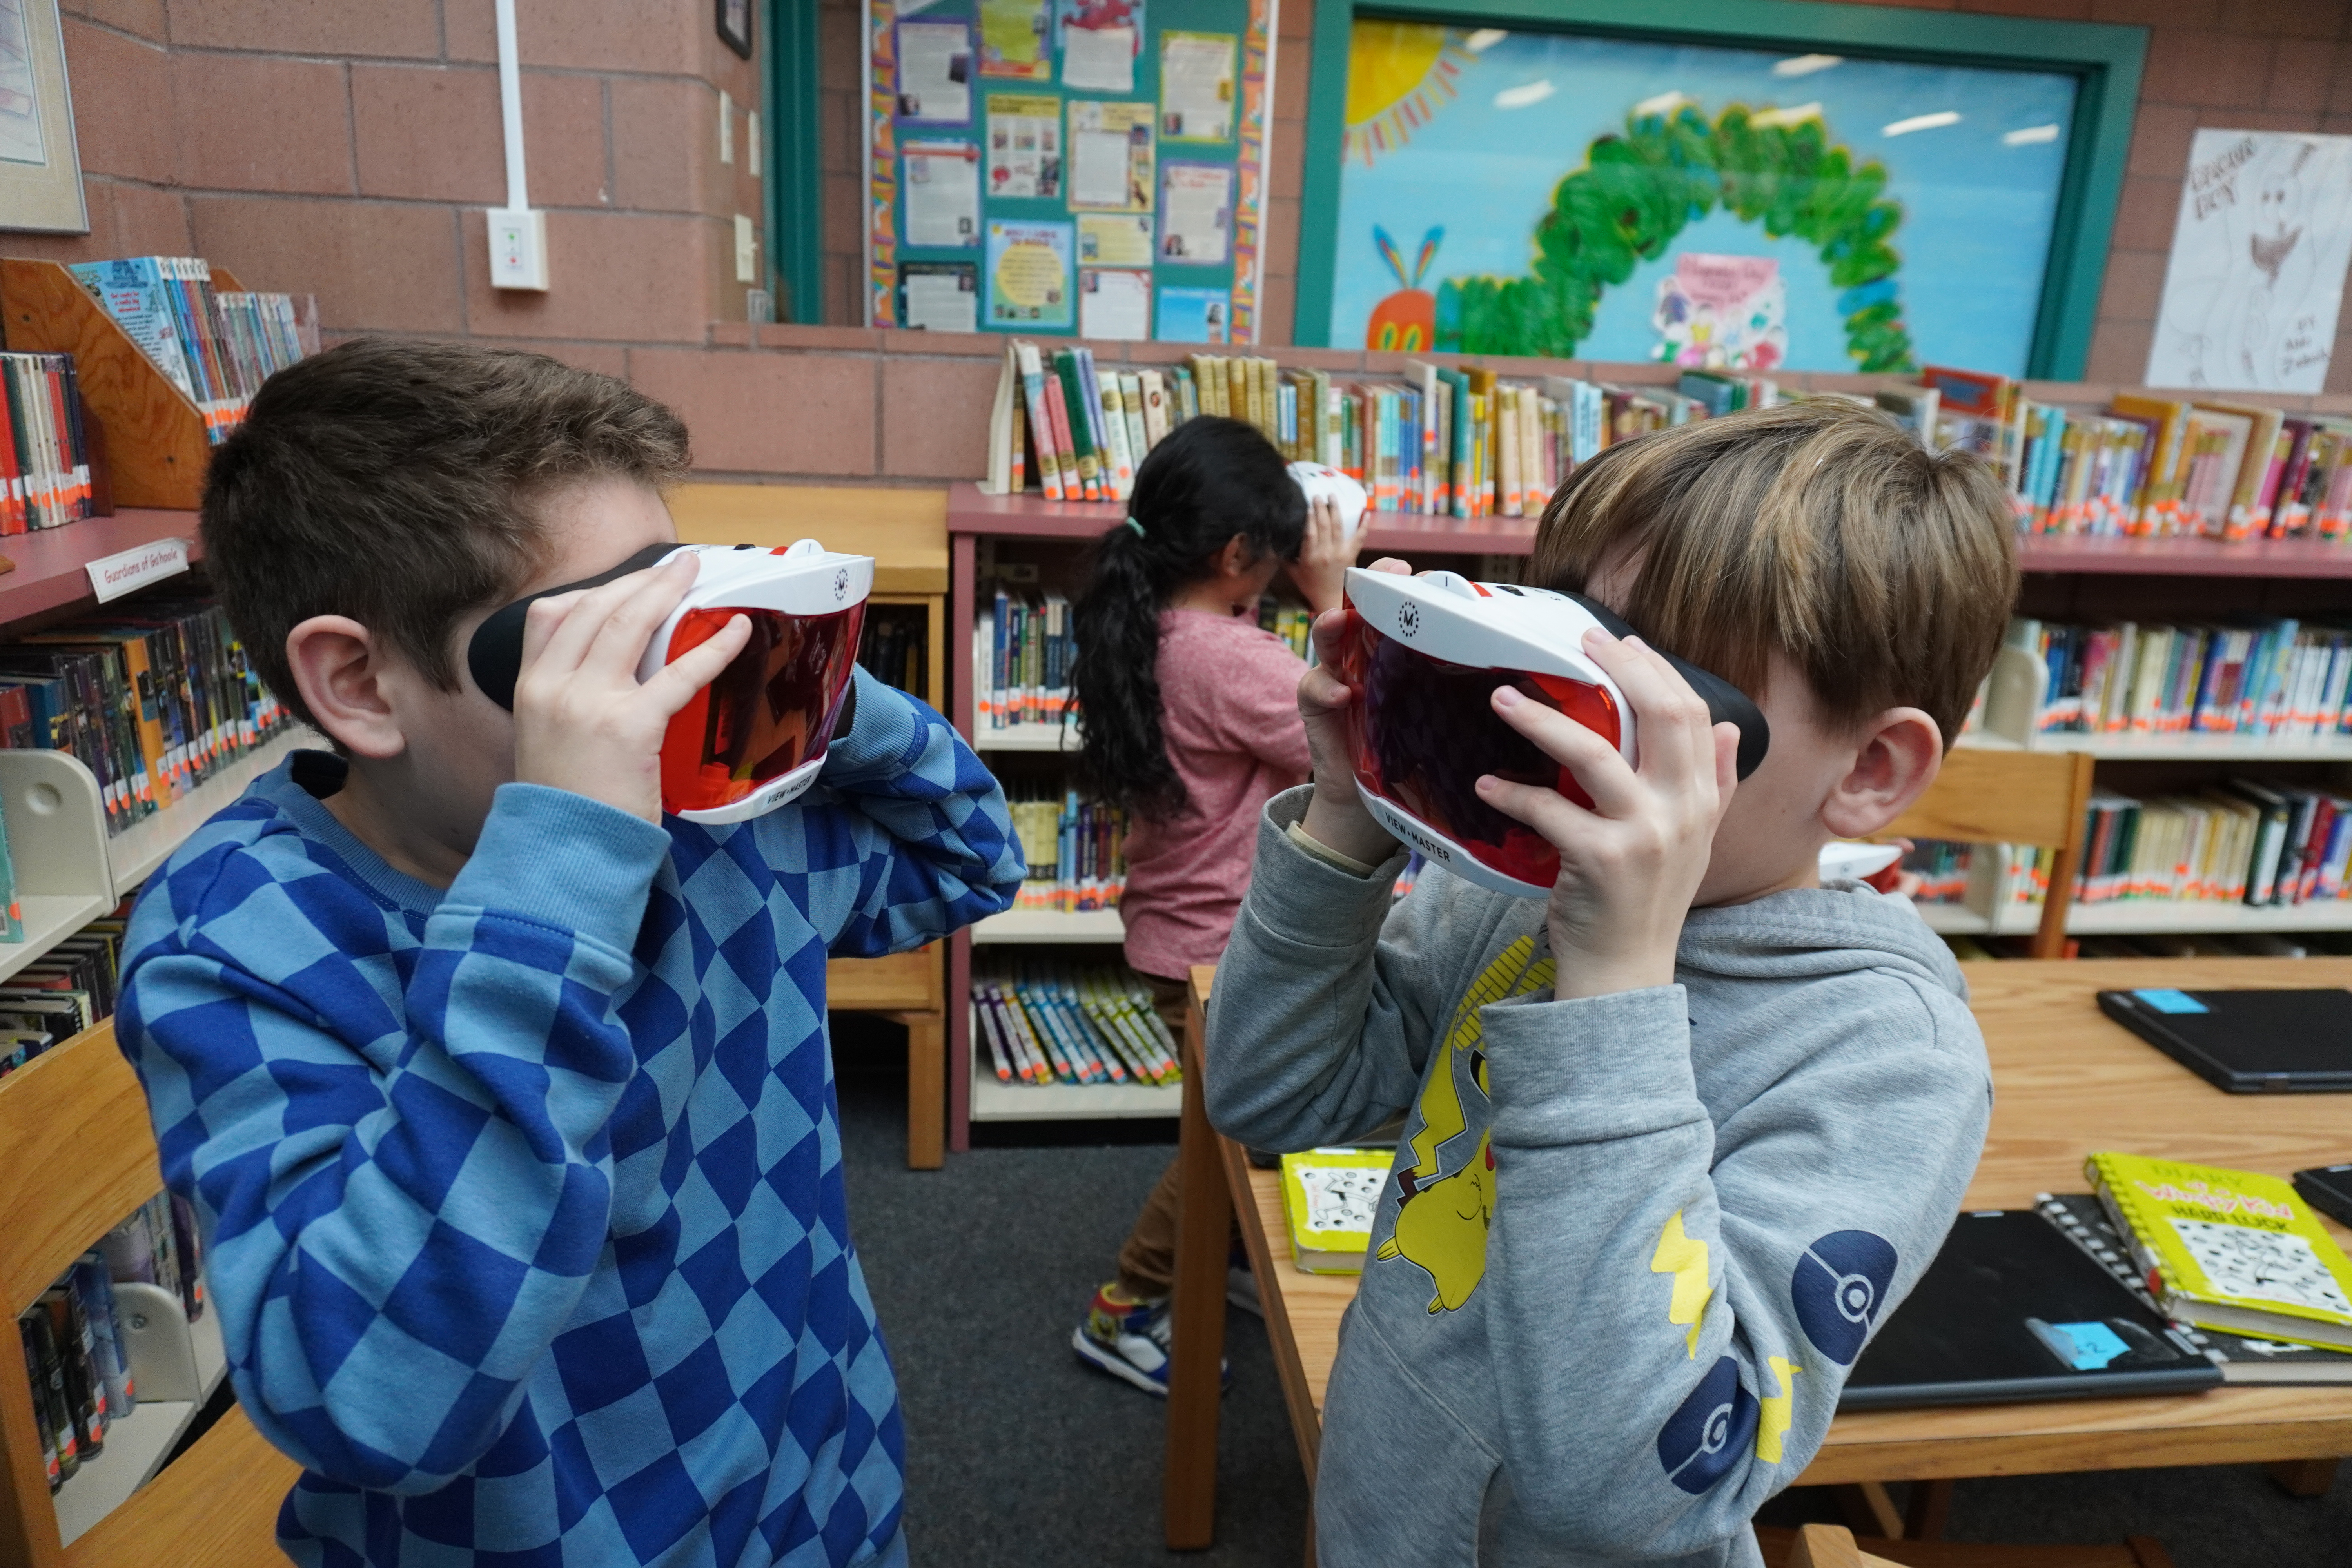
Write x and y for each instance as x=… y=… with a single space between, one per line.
x=1137 y=526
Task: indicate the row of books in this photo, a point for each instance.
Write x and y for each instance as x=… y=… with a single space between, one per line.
x=1431 y=439
x=1077 y=851
x=2269 y=676
x=218 y=347
x=2154 y=466
x=1048 y=1022
x=2242 y=843
x=1023 y=649
x=154 y=695
x=893 y=648
x=45 y=446
x=68 y=991
x=77 y=1353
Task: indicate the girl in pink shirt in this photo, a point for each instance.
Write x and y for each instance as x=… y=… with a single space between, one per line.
x=1189 y=718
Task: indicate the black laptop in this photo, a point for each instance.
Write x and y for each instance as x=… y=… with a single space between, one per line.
x=2011 y=1309
x=2248 y=1042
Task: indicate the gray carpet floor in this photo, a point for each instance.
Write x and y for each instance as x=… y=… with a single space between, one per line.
x=1021 y=1456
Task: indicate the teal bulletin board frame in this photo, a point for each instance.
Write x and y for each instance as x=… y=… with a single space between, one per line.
x=2105 y=61
x=796 y=193
x=1234 y=284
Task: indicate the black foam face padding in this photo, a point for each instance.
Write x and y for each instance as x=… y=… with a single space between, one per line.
x=1725 y=703
x=494 y=653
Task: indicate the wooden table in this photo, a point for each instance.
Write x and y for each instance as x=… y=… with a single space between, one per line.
x=2066 y=1081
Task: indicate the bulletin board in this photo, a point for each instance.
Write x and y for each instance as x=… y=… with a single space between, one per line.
x=1067 y=167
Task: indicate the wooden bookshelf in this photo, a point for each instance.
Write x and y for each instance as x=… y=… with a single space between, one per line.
x=972 y=516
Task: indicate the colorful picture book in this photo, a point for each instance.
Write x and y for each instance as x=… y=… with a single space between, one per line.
x=1329 y=1197
x=2233 y=1250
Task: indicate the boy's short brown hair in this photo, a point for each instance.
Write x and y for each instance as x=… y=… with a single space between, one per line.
x=1817 y=530
x=395 y=481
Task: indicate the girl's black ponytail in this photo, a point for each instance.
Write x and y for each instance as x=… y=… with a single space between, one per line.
x=1209 y=479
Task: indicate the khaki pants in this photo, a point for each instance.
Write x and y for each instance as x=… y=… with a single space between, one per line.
x=1146 y=1262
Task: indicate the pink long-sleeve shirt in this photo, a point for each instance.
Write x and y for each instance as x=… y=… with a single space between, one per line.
x=1229 y=716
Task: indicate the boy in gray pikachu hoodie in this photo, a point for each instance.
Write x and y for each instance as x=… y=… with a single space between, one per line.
x=1677 y=1138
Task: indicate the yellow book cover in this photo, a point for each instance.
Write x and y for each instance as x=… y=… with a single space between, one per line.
x=1330 y=1195
x=2233 y=1250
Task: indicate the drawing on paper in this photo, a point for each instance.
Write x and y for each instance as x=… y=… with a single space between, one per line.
x=2259 y=253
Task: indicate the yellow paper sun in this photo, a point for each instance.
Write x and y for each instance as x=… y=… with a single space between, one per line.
x=1398 y=75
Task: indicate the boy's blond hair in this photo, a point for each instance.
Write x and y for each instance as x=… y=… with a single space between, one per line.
x=1819 y=529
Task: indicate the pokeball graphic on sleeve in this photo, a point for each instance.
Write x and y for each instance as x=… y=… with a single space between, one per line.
x=1710 y=1431
x=1839 y=1288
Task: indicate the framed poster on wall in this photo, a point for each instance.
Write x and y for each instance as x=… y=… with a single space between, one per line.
x=1090 y=157
x=40 y=167
x=1740 y=184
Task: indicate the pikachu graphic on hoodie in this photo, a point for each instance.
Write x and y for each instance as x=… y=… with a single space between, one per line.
x=1442 y=1215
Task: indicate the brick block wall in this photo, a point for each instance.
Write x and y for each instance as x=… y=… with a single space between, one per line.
x=2260 y=65
x=347 y=148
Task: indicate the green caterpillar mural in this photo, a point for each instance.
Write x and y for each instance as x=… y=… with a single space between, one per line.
x=1634 y=193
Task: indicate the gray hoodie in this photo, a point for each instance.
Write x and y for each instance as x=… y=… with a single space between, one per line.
x=1631 y=1244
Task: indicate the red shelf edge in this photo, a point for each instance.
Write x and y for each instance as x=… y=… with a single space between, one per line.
x=1031 y=516
x=49 y=562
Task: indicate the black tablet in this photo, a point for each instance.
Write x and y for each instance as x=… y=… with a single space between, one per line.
x=2011 y=1310
x=2248 y=1042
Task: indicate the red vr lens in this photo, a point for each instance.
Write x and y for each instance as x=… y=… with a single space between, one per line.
x=771 y=710
x=1423 y=730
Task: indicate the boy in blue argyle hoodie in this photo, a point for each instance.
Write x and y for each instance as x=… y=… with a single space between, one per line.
x=505 y=1101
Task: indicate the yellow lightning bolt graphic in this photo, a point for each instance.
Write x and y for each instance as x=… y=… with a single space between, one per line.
x=1686 y=1258
x=1778 y=1410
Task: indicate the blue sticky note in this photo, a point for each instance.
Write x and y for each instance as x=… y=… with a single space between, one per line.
x=2096 y=1344
x=2168 y=1001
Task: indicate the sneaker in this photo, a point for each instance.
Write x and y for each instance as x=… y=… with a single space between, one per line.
x=1241 y=1286
x=1128 y=1339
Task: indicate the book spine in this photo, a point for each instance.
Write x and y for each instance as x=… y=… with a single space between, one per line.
x=1069 y=403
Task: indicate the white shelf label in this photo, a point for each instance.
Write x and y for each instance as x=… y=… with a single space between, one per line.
x=111 y=576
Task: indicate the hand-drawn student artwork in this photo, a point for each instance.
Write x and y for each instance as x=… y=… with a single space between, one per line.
x=2259 y=254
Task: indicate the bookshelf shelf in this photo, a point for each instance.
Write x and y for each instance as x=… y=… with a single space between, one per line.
x=49 y=561
x=2186 y=557
x=49 y=919
x=1051 y=925
x=2178 y=748
x=1027 y=738
x=1031 y=516
x=2146 y=917
x=135 y=852
x=135 y=1448
x=994 y=1101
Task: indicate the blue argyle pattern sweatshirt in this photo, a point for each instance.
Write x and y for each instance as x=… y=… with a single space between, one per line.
x=524 y=1197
